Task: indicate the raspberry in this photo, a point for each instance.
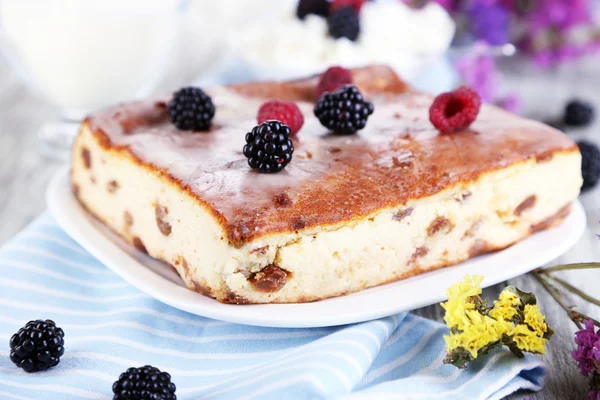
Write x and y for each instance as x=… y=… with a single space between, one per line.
x=344 y=23
x=454 y=111
x=333 y=79
x=355 y=4
x=282 y=111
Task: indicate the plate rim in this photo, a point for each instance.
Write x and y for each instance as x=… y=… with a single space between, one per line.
x=71 y=217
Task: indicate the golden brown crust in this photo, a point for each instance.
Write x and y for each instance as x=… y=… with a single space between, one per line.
x=387 y=164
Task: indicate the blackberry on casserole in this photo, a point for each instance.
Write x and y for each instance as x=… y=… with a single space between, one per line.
x=344 y=111
x=37 y=346
x=191 y=109
x=146 y=382
x=590 y=164
x=344 y=23
x=268 y=147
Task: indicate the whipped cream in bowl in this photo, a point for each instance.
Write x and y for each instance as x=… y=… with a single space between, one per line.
x=283 y=46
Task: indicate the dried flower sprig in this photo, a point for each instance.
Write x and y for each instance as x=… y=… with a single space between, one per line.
x=548 y=280
x=587 y=339
x=476 y=327
x=552 y=31
x=587 y=356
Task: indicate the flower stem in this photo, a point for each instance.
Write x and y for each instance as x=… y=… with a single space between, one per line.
x=574 y=290
x=556 y=296
x=566 y=267
x=575 y=316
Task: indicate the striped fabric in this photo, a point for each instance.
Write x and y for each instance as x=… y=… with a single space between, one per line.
x=110 y=326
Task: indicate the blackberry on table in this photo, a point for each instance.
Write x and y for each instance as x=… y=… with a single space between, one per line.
x=37 y=346
x=590 y=164
x=344 y=111
x=316 y=7
x=344 y=23
x=268 y=147
x=143 y=383
x=578 y=113
x=191 y=109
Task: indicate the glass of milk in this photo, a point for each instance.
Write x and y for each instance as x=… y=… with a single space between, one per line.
x=82 y=55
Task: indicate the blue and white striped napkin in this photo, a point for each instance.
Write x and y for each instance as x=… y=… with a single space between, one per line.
x=110 y=326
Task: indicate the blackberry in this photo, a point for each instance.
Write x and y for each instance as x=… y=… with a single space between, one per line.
x=191 y=109
x=37 y=346
x=344 y=23
x=590 y=164
x=142 y=383
x=268 y=147
x=316 y=7
x=578 y=113
x=344 y=111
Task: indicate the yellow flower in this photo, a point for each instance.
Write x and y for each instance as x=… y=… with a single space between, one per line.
x=456 y=316
x=471 y=286
x=505 y=307
x=478 y=333
x=527 y=340
x=535 y=319
x=459 y=301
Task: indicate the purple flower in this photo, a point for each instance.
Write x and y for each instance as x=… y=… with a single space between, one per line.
x=489 y=21
x=587 y=356
x=548 y=29
x=479 y=72
x=587 y=353
x=511 y=103
x=558 y=14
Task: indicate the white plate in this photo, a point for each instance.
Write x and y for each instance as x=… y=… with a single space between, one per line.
x=157 y=280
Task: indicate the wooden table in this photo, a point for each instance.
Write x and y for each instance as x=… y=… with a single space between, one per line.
x=24 y=175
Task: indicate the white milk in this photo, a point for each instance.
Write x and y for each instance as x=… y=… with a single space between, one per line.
x=82 y=54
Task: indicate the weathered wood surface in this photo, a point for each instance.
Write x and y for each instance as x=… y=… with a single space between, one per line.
x=25 y=173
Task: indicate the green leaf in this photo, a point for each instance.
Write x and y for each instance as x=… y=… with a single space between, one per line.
x=548 y=333
x=526 y=298
x=459 y=357
x=481 y=305
x=512 y=346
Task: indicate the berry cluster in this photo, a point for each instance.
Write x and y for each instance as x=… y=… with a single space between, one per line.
x=268 y=147
x=283 y=111
x=344 y=111
x=146 y=382
x=342 y=15
x=344 y=23
x=578 y=113
x=191 y=109
x=590 y=164
x=455 y=111
x=333 y=79
x=39 y=345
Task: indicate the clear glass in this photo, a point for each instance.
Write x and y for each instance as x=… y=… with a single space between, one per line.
x=84 y=55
